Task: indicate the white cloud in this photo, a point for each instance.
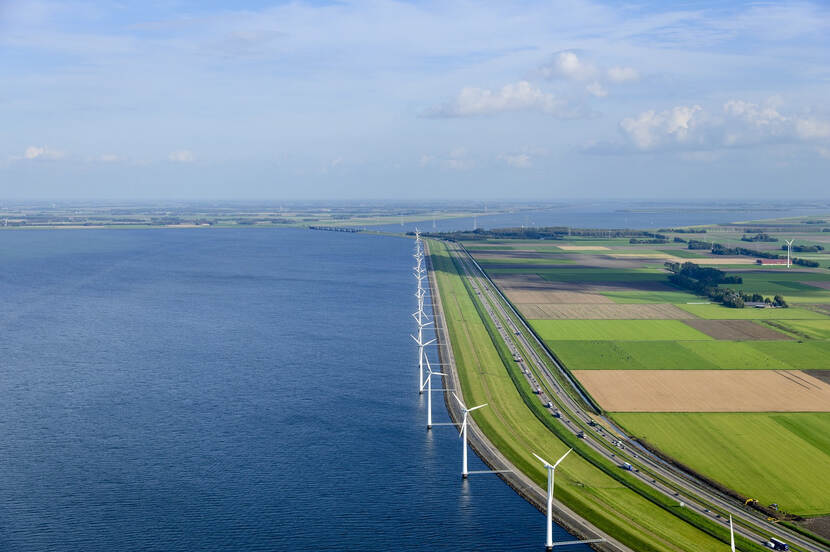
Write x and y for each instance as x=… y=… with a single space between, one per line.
x=650 y=130
x=520 y=96
x=739 y=124
x=44 y=152
x=568 y=65
x=519 y=161
x=596 y=89
x=109 y=158
x=182 y=156
x=622 y=74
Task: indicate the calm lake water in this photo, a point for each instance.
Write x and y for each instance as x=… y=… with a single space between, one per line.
x=226 y=390
x=610 y=214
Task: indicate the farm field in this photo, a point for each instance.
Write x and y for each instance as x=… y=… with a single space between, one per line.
x=693 y=355
x=773 y=457
x=714 y=311
x=706 y=390
x=644 y=348
x=612 y=330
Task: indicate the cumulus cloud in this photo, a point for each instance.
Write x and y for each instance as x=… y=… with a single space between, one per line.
x=651 y=129
x=182 y=156
x=44 y=152
x=520 y=96
x=737 y=123
x=568 y=65
x=458 y=159
x=519 y=161
x=576 y=67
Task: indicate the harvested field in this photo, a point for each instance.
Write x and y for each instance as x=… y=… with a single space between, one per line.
x=609 y=311
x=616 y=330
x=714 y=311
x=706 y=390
x=583 y=247
x=735 y=330
x=822 y=285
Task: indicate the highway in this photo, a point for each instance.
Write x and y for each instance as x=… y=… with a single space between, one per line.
x=539 y=366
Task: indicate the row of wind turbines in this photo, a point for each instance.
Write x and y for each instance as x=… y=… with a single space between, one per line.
x=425 y=382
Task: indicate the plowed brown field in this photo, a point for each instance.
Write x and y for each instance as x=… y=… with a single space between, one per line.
x=706 y=390
x=735 y=330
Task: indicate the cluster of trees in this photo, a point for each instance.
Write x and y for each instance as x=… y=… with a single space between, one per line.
x=706 y=282
x=805 y=262
x=547 y=233
x=684 y=230
x=805 y=248
x=697 y=244
x=760 y=237
x=719 y=249
x=648 y=240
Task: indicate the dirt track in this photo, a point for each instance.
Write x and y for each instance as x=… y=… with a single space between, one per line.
x=706 y=390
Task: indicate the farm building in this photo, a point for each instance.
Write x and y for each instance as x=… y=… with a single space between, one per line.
x=771 y=261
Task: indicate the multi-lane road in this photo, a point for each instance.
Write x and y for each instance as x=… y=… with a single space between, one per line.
x=556 y=388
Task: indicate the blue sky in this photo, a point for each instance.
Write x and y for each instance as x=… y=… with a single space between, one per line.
x=381 y=99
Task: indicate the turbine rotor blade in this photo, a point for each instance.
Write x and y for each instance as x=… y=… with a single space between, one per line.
x=563 y=457
x=542 y=460
x=459 y=402
x=477 y=407
x=463 y=425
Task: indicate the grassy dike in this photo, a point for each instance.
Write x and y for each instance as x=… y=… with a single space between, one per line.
x=511 y=424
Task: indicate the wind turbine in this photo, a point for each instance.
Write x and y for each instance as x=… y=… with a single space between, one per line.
x=421 y=345
x=550 y=468
x=463 y=434
x=789 y=249
x=428 y=384
x=731 y=535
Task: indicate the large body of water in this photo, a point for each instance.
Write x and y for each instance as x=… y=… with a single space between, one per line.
x=226 y=390
x=607 y=214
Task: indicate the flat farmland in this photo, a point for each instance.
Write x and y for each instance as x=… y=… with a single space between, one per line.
x=692 y=355
x=714 y=311
x=810 y=329
x=644 y=296
x=735 y=330
x=706 y=390
x=773 y=457
x=616 y=330
x=610 y=311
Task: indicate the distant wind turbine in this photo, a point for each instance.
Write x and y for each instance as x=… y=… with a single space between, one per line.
x=550 y=468
x=463 y=434
x=731 y=535
x=789 y=250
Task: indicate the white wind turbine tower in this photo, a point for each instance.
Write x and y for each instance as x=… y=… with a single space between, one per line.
x=428 y=384
x=731 y=535
x=463 y=434
x=789 y=250
x=550 y=468
x=421 y=344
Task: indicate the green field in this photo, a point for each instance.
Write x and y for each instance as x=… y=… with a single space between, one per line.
x=636 y=297
x=692 y=355
x=517 y=431
x=773 y=457
x=616 y=330
x=715 y=311
x=809 y=329
x=794 y=286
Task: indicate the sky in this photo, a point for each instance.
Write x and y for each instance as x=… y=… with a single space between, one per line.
x=406 y=100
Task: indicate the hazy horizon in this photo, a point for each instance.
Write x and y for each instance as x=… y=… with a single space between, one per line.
x=531 y=101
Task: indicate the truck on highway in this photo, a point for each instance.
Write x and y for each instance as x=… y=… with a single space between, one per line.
x=776 y=544
x=627 y=466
